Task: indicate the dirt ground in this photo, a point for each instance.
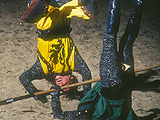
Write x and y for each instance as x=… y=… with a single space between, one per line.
x=18 y=45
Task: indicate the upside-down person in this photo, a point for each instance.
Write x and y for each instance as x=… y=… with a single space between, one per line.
x=110 y=98
x=57 y=54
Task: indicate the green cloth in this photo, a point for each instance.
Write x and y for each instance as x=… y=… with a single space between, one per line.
x=101 y=108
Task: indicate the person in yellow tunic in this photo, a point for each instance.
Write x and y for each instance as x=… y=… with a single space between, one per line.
x=57 y=54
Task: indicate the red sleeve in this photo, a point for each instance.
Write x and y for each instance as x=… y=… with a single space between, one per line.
x=36 y=10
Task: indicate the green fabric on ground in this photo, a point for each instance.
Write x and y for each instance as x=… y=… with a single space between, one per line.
x=101 y=108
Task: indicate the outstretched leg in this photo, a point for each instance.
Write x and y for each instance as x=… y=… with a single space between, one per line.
x=126 y=52
x=131 y=32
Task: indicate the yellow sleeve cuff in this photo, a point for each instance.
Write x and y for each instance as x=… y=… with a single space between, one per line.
x=73 y=3
x=78 y=12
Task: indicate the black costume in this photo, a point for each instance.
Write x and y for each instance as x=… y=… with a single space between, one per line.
x=115 y=83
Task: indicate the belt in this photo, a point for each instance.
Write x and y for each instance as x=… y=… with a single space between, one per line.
x=53 y=34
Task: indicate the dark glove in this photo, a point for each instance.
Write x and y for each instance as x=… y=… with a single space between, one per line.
x=41 y=98
x=55 y=93
x=55 y=103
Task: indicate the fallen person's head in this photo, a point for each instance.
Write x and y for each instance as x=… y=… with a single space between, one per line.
x=64 y=80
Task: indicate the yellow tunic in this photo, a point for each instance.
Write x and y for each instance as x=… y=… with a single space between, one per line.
x=58 y=52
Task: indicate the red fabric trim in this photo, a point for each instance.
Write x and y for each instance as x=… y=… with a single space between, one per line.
x=86 y=12
x=30 y=8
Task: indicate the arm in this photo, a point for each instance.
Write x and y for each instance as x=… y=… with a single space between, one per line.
x=39 y=8
x=36 y=10
x=85 y=9
x=82 y=68
x=35 y=72
x=57 y=111
x=89 y=7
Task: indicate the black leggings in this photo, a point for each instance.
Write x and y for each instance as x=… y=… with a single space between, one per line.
x=112 y=76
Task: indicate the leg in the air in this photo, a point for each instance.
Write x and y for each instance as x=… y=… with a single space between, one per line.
x=131 y=32
x=109 y=64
